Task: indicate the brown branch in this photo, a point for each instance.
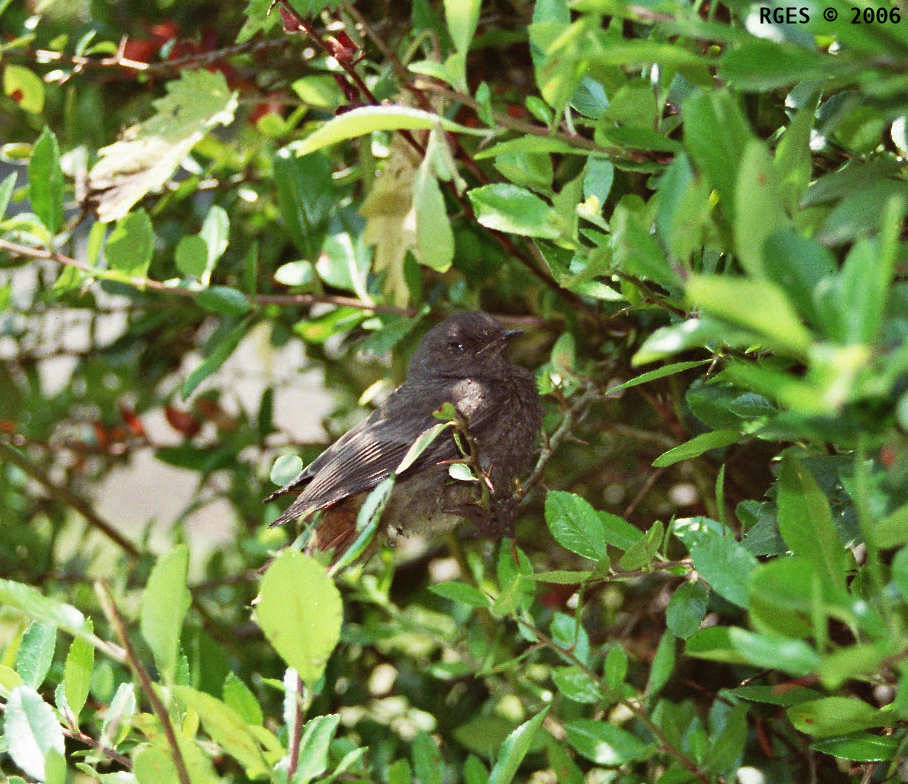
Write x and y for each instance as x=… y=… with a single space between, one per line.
x=572 y=416
x=116 y=621
x=155 y=285
x=68 y=497
x=119 y=60
x=297 y=729
x=80 y=736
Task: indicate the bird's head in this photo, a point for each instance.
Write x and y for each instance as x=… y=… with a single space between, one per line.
x=463 y=345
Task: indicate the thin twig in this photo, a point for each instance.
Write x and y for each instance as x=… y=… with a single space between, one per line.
x=297 y=729
x=148 y=284
x=119 y=60
x=68 y=497
x=119 y=626
x=647 y=485
x=80 y=736
x=572 y=416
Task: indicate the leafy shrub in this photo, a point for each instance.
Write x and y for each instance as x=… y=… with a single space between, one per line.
x=697 y=214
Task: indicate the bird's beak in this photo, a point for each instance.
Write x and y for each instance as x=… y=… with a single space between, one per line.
x=501 y=342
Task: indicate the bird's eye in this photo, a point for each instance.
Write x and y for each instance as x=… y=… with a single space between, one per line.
x=455 y=345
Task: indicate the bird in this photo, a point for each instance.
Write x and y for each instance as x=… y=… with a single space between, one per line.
x=462 y=361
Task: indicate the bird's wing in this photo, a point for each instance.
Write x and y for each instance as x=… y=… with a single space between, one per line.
x=367 y=453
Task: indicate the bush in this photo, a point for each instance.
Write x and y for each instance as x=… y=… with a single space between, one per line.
x=695 y=211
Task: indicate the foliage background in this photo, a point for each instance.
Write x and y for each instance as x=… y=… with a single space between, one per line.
x=698 y=218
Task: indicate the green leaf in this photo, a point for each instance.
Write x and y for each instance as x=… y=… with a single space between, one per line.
x=725 y=565
x=215 y=231
x=77 y=674
x=462 y=17
x=739 y=646
x=728 y=745
x=703 y=331
x=434 y=237
x=715 y=133
x=152 y=765
x=798 y=264
x=604 y=743
x=515 y=748
x=860 y=747
x=663 y=664
x=31 y=601
x=892 y=530
x=299 y=610
x=314 y=745
x=31 y=730
x=644 y=549
x=704 y=442
x=427 y=761
x=461 y=592
x=785 y=596
x=805 y=523
x=575 y=525
x=852 y=662
x=285 y=469
x=222 y=348
x=686 y=609
x=191 y=255
x=865 y=284
x=6 y=191
x=597 y=179
x=227 y=728
x=399 y=771
x=760 y=65
x=224 y=299
x=545 y=145
x=24 y=87
x=831 y=716
x=305 y=198
x=474 y=771
x=619 y=532
x=358 y=122
x=367 y=520
x=683 y=209
x=239 y=697
x=576 y=685
x=148 y=153
x=636 y=251
x=295 y=273
x=36 y=653
x=661 y=372
x=45 y=181
x=164 y=604
x=130 y=245
x=512 y=209
x=733 y=299
x=562 y=576
x=900 y=571
x=615 y=667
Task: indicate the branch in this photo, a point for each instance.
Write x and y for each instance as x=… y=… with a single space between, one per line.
x=68 y=497
x=119 y=59
x=116 y=621
x=572 y=416
x=26 y=251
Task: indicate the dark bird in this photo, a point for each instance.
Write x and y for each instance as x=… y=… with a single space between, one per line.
x=460 y=361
